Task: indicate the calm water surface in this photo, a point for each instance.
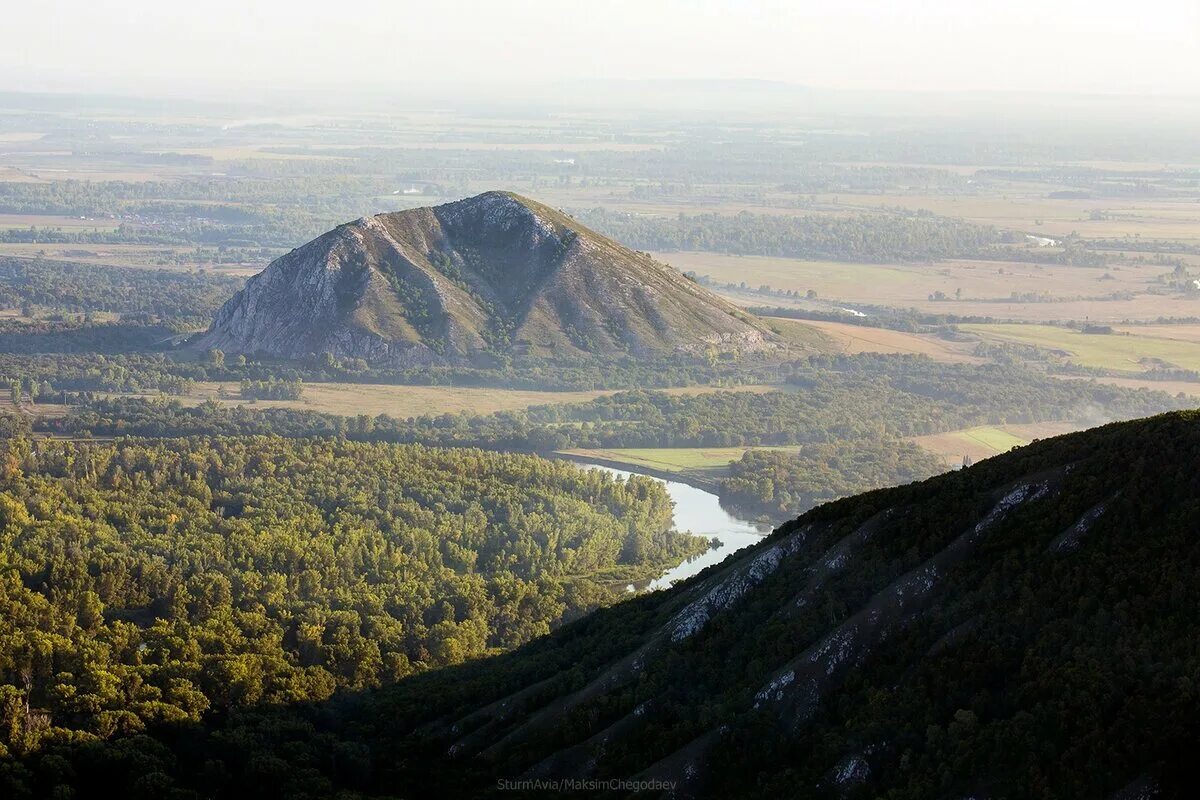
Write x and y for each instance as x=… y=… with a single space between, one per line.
x=699 y=512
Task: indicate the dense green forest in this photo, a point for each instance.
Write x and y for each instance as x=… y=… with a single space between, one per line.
x=58 y=353
x=99 y=372
x=152 y=582
x=184 y=298
x=779 y=484
x=91 y=312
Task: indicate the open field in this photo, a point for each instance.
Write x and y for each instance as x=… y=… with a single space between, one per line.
x=73 y=224
x=667 y=459
x=986 y=441
x=1119 y=352
x=13 y=175
x=1029 y=209
x=1188 y=388
x=351 y=399
x=125 y=255
x=972 y=288
x=565 y=145
x=853 y=339
x=698 y=464
x=242 y=153
x=32 y=409
x=1181 y=333
x=401 y=402
x=33 y=166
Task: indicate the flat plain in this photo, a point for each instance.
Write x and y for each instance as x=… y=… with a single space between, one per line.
x=969 y=288
x=1132 y=351
x=701 y=465
x=852 y=339
x=985 y=441
x=403 y=401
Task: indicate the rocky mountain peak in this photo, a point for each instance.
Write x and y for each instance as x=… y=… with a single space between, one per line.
x=467 y=281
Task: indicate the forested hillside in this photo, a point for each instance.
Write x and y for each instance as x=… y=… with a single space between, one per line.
x=154 y=582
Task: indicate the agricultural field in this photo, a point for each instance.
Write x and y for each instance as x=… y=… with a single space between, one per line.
x=396 y=401
x=142 y=256
x=852 y=339
x=986 y=441
x=1029 y=208
x=401 y=402
x=25 y=221
x=1182 y=333
x=1130 y=351
x=700 y=464
x=970 y=288
x=1186 y=388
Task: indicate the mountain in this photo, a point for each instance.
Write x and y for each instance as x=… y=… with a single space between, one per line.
x=1025 y=627
x=496 y=274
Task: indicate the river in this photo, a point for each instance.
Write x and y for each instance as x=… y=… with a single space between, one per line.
x=699 y=513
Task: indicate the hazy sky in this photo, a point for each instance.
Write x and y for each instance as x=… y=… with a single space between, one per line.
x=229 y=46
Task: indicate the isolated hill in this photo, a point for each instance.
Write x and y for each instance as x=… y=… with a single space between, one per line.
x=1026 y=627
x=496 y=274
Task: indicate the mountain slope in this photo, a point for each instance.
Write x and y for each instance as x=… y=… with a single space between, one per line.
x=492 y=274
x=1022 y=628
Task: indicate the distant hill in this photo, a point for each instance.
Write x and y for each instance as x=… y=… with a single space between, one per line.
x=496 y=275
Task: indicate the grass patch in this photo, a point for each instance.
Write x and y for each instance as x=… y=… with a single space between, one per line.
x=1120 y=352
x=985 y=441
x=373 y=399
x=701 y=463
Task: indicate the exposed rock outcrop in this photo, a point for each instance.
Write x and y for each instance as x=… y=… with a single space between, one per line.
x=468 y=281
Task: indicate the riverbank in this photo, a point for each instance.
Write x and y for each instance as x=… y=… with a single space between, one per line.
x=699 y=512
x=703 y=484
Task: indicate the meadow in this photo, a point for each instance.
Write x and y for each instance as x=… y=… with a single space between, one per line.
x=701 y=465
x=851 y=339
x=970 y=288
x=147 y=256
x=403 y=401
x=1187 y=388
x=1028 y=206
x=985 y=441
x=1129 y=350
